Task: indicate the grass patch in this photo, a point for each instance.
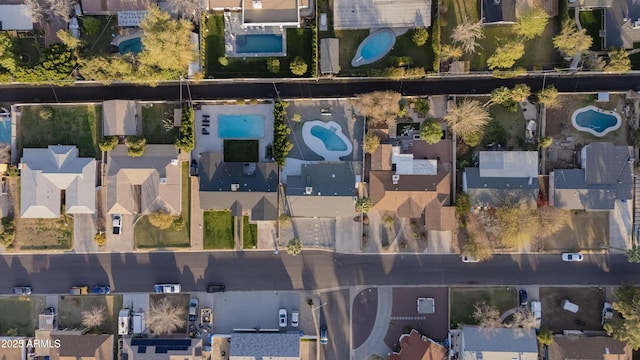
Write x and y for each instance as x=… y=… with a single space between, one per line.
x=218 y=230
x=241 y=150
x=506 y=128
x=592 y=22
x=70 y=310
x=249 y=234
x=153 y=128
x=79 y=125
x=20 y=312
x=462 y=301
x=299 y=43
x=149 y=236
x=99 y=44
x=27 y=50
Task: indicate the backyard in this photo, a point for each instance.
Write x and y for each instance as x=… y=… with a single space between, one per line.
x=154 y=118
x=462 y=301
x=249 y=234
x=218 y=230
x=591 y=20
x=299 y=43
x=99 y=40
x=148 y=236
x=241 y=151
x=70 y=309
x=506 y=128
x=20 y=312
x=79 y=125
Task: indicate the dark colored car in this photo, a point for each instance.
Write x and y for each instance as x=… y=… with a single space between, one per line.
x=104 y=289
x=522 y=298
x=323 y=336
x=214 y=288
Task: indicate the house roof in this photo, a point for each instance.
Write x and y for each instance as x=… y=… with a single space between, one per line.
x=13 y=352
x=369 y=14
x=520 y=343
x=257 y=186
x=113 y=6
x=381 y=158
x=588 y=348
x=493 y=191
x=258 y=12
x=162 y=349
x=46 y=172
x=415 y=347
x=440 y=218
x=119 y=117
x=608 y=164
x=509 y=164
x=329 y=56
x=15 y=17
x=85 y=347
x=323 y=190
x=494 y=11
x=223 y=4
x=264 y=346
x=145 y=184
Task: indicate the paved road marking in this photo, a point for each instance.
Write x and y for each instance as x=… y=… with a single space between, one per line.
x=408 y=318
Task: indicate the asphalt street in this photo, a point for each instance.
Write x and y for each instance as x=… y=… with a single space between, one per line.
x=313 y=270
x=266 y=88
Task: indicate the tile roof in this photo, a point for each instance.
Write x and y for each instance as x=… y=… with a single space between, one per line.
x=85 y=347
x=415 y=347
x=277 y=346
x=588 y=348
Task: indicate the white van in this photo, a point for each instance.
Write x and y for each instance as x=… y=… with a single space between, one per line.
x=536 y=310
x=569 y=306
x=123 y=322
x=138 y=323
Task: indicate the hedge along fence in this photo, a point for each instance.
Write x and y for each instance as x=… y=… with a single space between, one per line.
x=281 y=143
x=314 y=57
x=203 y=41
x=435 y=37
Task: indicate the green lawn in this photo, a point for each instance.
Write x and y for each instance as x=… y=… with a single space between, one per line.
x=299 y=43
x=462 y=301
x=27 y=49
x=506 y=128
x=218 y=230
x=592 y=22
x=20 y=312
x=149 y=236
x=241 y=150
x=100 y=42
x=79 y=125
x=70 y=310
x=153 y=117
x=249 y=234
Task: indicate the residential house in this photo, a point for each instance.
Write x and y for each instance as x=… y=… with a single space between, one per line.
x=413 y=346
x=270 y=12
x=605 y=178
x=110 y=7
x=146 y=184
x=621 y=26
x=119 y=118
x=14 y=352
x=503 y=176
x=508 y=12
x=566 y=347
x=77 y=346
x=274 y=346
x=245 y=188
x=371 y=14
x=403 y=184
x=324 y=190
x=55 y=177
x=162 y=349
x=474 y=342
x=15 y=17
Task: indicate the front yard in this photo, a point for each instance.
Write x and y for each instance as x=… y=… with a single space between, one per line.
x=462 y=301
x=589 y=300
x=70 y=309
x=154 y=117
x=218 y=230
x=176 y=300
x=20 y=312
x=249 y=234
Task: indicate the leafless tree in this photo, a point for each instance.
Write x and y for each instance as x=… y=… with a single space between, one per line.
x=165 y=318
x=187 y=9
x=379 y=107
x=467 y=118
x=467 y=34
x=487 y=316
x=93 y=318
x=551 y=220
x=50 y=10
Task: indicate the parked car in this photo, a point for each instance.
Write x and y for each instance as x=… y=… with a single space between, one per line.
x=22 y=290
x=101 y=289
x=116 y=223
x=607 y=312
x=323 y=336
x=295 y=317
x=166 y=288
x=79 y=290
x=193 y=309
x=469 y=259
x=213 y=288
x=572 y=257
x=522 y=298
x=282 y=317
x=536 y=310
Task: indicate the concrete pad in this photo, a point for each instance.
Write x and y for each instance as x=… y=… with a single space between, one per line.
x=266 y=229
x=620 y=224
x=439 y=242
x=139 y=302
x=314 y=232
x=84 y=229
x=348 y=235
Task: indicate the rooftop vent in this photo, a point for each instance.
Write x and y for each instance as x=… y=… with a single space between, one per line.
x=163 y=180
x=395 y=179
x=235 y=187
x=308 y=190
x=174 y=162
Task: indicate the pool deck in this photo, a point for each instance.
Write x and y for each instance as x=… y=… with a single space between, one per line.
x=233 y=27
x=213 y=143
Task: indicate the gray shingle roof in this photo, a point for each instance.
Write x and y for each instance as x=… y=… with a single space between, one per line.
x=608 y=164
x=263 y=346
x=509 y=164
x=493 y=191
x=500 y=340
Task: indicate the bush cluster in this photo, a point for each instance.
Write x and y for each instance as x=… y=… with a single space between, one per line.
x=108 y=143
x=281 y=143
x=186 y=138
x=135 y=145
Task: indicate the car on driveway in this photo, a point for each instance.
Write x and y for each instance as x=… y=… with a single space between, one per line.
x=116 y=223
x=469 y=259
x=166 y=288
x=536 y=310
x=101 y=290
x=22 y=290
x=282 y=318
x=214 y=288
x=572 y=257
x=522 y=298
x=193 y=309
x=79 y=290
x=607 y=312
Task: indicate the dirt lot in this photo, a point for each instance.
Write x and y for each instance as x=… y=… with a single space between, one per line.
x=405 y=314
x=20 y=312
x=70 y=310
x=584 y=231
x=462 y=301
x=174 y=299
x=556 y=319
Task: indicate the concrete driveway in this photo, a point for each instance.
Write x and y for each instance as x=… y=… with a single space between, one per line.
x=84 y=228
x=123 y=242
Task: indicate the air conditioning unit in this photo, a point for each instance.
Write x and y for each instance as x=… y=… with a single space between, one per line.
x=308 y=190
x=395 y=179
x=174 y=162
x=163 y=180
x=235 y=187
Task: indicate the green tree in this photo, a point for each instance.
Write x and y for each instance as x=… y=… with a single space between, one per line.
x=506 y=55
x=633 y=254
x=298 y=66
x=431 y=132
x=7 y=56
x=520 y=92
x=420 y=36
x=466 y=118
x=545 y=142
x=100 y=238
x=501 y=96
x=107 y=69
x=371 y=143
x=186 y=136
x=363 y=205
x=135 y=145
x=422 y=106
x=56 y=63
x=281 y=143
x=548 y=96
x=294 y=247
x=273 y=65
x=618 y=61
x=476 y=250
x=166 y=42
x=108 y=143
x=13 y=171
x=473 y=139
x=545 y=336
x=296 y=118
x=68 y=39
x=626 y=327
x=532 y=23
x=571 y=41
x=91 y=25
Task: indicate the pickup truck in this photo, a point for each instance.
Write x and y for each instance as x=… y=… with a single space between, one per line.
x=166 y=288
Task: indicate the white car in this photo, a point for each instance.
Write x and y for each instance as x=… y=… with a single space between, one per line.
x=166 y=288
x=282 y=317
x=536 y=310
x=295 y=317
x=469 y=259
x=607 y=312
x=572 y=257
x=116 y=223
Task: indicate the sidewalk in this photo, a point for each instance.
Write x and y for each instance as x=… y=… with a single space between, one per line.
x=197 y=216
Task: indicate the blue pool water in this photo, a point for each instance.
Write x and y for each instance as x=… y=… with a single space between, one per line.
x=130 y=46
x=258 y=43
x=240 y=126
x=328 y=136
x=597 y=121
x=5 y=131
x=377 y=45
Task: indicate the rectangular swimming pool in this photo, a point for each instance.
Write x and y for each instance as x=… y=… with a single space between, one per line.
x=5 y=130
x=258 y=43
x=240 y=126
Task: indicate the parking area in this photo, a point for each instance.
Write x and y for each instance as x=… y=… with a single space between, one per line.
x=589 y=300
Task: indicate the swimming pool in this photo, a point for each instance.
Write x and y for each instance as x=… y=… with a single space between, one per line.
x=326 y=139
x=596 y=121
x=130 y=46
x=5 y=130
x=374 y=47
x=328 y=136
x=259 y=43
x=240 y=126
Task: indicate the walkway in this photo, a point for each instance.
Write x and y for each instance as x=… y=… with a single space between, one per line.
x=197 y=216
x=375 y=343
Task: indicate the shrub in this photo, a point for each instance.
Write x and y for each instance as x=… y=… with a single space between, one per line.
x=8 y=235
x=186 y=137
x=420 y=36
x=389 y=220
x=135 y=145
x=546 y=141
x=108 y=143
x=422 y=106
x=91 y=25
x=12 y=171
x=400 y=60
x=178 y=223
x=46 y=113
x=100 y=238
x=281 y=143
x=241 y=102
x=294 y=247
x=371 y=143
x=298 y=66
x=545 y=337
x=296 y=118
x=273 y=65
x=431 y=132
x=223 y=61
x=284 y=218
x=162 y=220
x=363 y=205
x=435 y=38
x=473 y=139
x=463 y=205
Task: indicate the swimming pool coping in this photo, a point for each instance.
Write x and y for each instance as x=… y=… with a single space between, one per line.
x=596 y=109
x=318 y=146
